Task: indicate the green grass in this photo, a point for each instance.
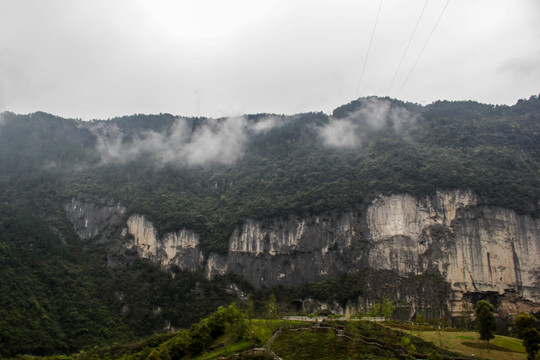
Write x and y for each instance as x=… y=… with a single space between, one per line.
x=483 y=346
x=300 y=341
x=264 y=328
x=302 y=345
x=261 y=330
x=307 y=345
x=365 y=340
x=467 y=343
x=509 y=343
x=466 y=337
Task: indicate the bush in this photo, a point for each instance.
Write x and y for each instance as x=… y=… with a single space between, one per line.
x=434 y=355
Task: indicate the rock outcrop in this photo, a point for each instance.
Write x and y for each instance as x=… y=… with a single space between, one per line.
x=90 y=220
x=476 y=249
x=180 y=248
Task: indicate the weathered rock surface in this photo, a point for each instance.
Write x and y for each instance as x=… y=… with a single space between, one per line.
x=91 y=220
x=179 y=248
x=476 y=249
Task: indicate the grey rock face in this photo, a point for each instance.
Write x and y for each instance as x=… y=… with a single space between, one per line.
x=293 y=251
x=91 y=220
x=180 y=248
x=498 y=250
x=474 y=248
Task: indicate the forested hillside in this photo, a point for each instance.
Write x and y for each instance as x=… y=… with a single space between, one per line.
x=208 y=175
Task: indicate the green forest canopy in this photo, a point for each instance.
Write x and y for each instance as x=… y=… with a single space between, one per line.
x=287 y=168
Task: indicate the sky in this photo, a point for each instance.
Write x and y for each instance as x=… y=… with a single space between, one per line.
x=105 y=58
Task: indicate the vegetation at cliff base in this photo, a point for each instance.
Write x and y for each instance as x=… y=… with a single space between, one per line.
x=230 y=333
x=525 y=325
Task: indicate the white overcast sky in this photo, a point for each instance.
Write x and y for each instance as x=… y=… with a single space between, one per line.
x=105 y=58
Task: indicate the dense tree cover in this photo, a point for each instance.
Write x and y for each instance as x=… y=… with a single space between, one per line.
x=365 y=289
x=184 y=343
x=51 y=299
x=55 y=298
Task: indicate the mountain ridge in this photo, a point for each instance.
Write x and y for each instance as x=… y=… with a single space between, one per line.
x=222 y=179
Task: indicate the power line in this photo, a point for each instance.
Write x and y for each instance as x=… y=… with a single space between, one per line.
x=407 y=48
x=422 y=51
x=369 y=48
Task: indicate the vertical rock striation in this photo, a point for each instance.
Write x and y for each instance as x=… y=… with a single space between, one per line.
x=180 y=248
x=476 y=249
x=90 y=220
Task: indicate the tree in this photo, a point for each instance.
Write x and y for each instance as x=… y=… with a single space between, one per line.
x=388 y=308
x=420 y=320
x=375 y=310
x=272 y=308
x=465 y=318
x=403 y=307
x=405 y=343
x=531 y=341
x=250 y=310
x=434 y=355
x=524 y=326
x=199 y=338
x=485 y=321
x=421 y=317
x=522 y=322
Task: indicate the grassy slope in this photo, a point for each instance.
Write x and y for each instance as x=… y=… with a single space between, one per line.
x=312 y=344
x=300 y=345
x=467 y=343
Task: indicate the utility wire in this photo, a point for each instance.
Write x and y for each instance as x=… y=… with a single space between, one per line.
x=406 y=48
x=422 y=51
x=369 y=48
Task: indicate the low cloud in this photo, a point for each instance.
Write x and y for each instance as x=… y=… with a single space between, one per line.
x=373 y=113
x=216 y=142
x=373 y=116
x=213 y=141
x=266 y=124
x=340 y=134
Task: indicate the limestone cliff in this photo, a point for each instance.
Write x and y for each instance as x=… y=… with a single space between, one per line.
x=179 y=248
x=89 y=219
x=476 y=249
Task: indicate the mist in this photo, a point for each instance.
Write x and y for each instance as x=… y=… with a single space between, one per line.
x=340 y=134
x=211 y=142
x=224 y=141
x=373 y=116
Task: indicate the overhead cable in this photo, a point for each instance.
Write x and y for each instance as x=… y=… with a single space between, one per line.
x=423 y=48
x=406 y=48
x=369 y=48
